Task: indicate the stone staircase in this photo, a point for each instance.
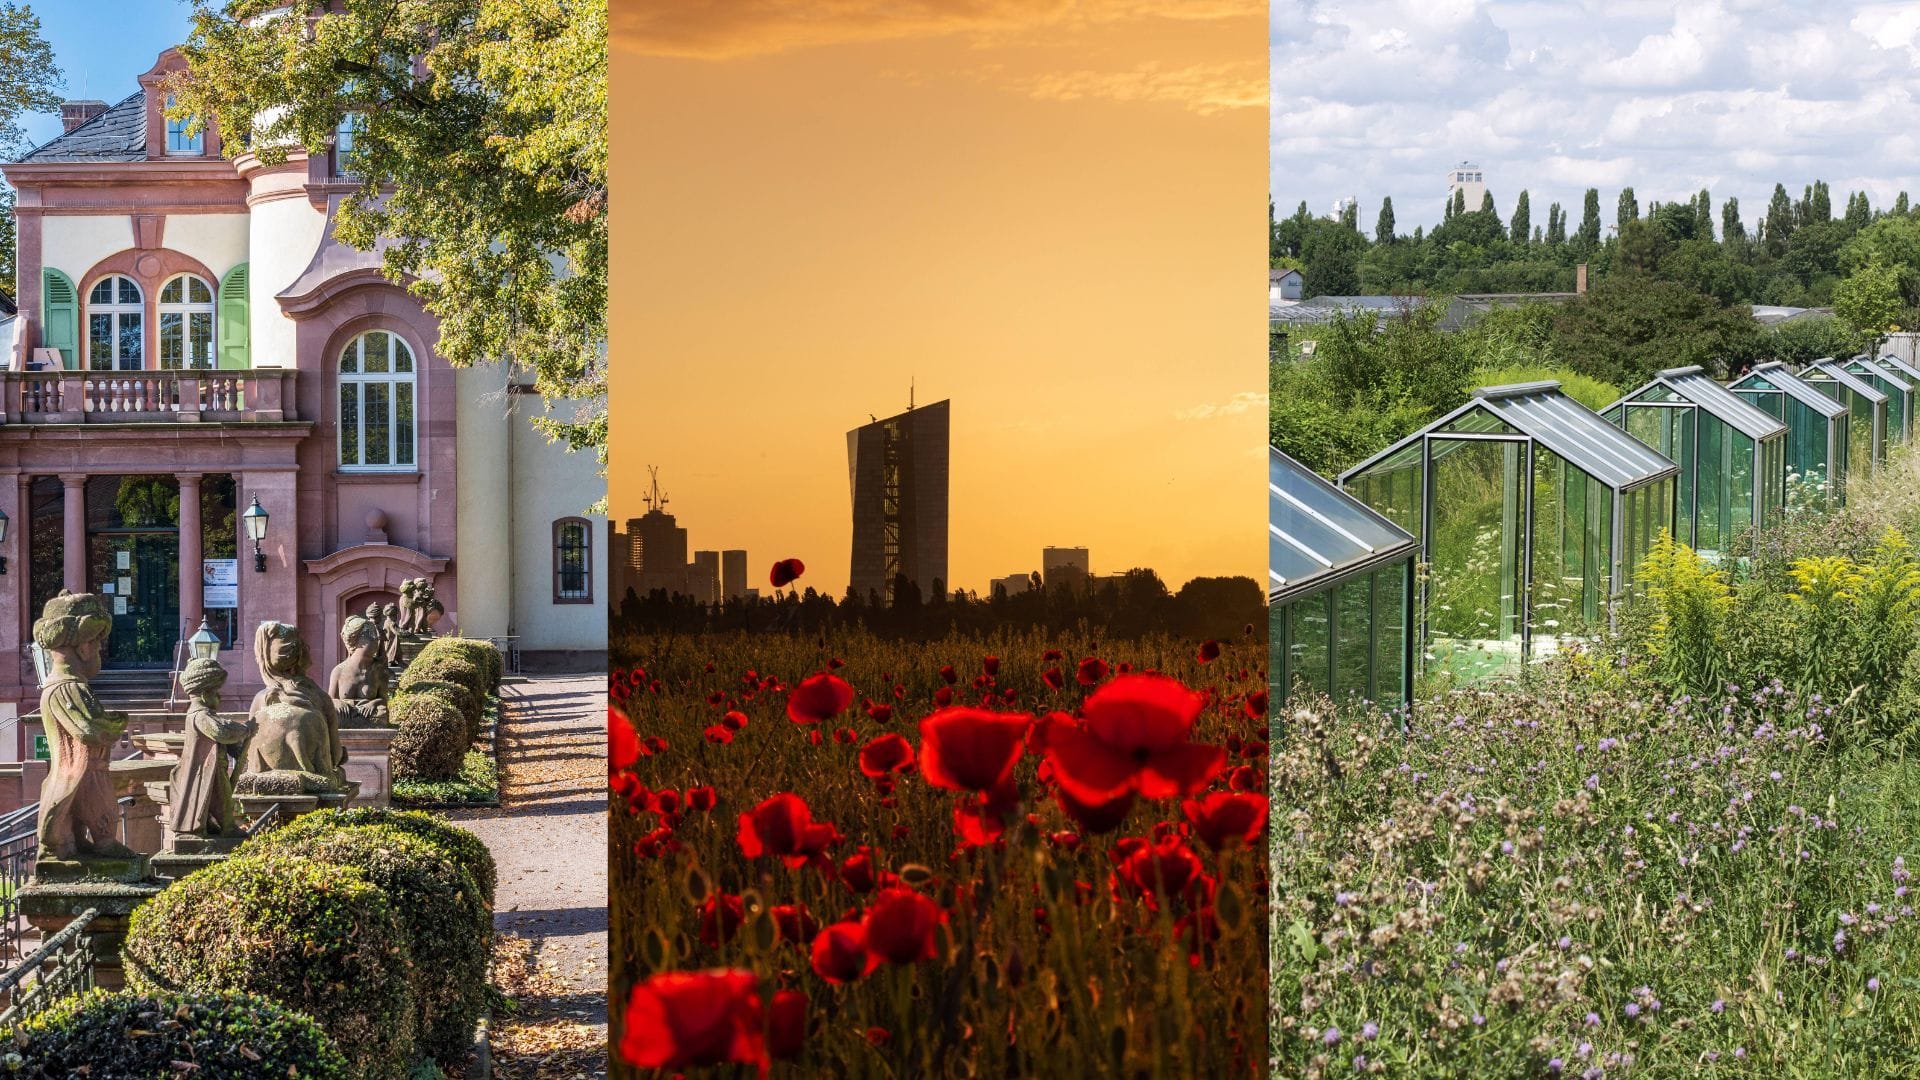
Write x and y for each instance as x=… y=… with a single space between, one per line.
x=134 y=690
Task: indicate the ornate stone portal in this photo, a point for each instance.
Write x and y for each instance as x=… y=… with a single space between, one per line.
x=361 y=684
x=295 y=750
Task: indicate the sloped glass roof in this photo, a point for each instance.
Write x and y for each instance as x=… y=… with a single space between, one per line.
x=1879 y=370
x=1900 y=367
x=1317 y=533
x=1777 y=376
x=1694 y=385
x=1848 y=379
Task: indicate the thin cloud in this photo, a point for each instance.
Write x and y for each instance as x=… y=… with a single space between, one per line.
x=1204 y=88
x=1239 y=404
x=726 y=29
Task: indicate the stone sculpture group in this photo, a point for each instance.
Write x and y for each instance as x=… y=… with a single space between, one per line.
x=287 y=747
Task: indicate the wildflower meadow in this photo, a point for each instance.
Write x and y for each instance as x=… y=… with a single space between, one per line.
x=1684 y=848
x=1024 y=855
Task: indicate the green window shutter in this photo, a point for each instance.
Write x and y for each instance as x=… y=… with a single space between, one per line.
x=234 y=347
x=60 y=316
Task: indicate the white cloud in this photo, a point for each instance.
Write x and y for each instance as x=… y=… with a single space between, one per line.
x=1377 y=98
x=1244 y=402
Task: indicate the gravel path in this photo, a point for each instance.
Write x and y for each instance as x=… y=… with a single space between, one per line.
x=549 y=838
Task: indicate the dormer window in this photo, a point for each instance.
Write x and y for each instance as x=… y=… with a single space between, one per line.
x=179 y=141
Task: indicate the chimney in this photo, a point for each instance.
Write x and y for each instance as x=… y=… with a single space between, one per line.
x=1580 y=280
x=75 y=113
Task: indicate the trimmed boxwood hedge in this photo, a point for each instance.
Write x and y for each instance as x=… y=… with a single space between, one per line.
x=444 y=667
x=455 y=695
x=314 y=936
x=450 y=927
x=460 y=845
x=481 y=654
x=223 y=1034
x=429 y=738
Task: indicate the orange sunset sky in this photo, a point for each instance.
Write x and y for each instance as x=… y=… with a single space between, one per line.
x=1051 y=213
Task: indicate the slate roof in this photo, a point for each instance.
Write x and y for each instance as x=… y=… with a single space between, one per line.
x=119 y=134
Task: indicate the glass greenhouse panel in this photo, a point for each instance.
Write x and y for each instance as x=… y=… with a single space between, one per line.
x=1310 y=643
x=1392 y=637
x=1476 y=576
x=1572 y=567
x=1393 y=487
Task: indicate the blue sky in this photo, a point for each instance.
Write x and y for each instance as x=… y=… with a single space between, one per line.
x=103 y=46
x=1372 y=98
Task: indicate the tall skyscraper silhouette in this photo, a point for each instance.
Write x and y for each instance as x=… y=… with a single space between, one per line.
x=897 y=468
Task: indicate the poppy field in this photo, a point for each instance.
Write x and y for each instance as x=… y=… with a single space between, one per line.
x=1028 y=855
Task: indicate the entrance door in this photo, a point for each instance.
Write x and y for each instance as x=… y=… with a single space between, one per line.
x=137 y=571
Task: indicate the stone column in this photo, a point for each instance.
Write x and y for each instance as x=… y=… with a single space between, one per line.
x=16 y=594
x=191 y=594
x=74 y=505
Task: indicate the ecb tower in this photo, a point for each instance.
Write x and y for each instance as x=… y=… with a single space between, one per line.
x=898 y=471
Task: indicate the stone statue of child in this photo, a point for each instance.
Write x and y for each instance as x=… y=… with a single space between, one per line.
x=79 y=815
x=200 y=798
x=410 y=604
x=390 y=633
x=361 y=684
x=297 y=747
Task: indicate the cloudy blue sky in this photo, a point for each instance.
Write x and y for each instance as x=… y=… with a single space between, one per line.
x=104 y=47
x=1381 y=97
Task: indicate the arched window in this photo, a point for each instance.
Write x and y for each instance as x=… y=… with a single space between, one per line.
x=377 y=404
x=572 y=561
x=186 y=323
x=116 y=338
x=178 y=141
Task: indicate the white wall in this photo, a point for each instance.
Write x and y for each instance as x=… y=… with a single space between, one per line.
x=549 y=484
x=74 y=242
x=217 y=240
x=285 y=234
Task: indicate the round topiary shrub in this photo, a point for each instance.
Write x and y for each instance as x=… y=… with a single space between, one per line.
x=315 y=937
x=447 y=668
x=429 y=738
x=450 y=932
x=460 y=845
x=480 y=654
x=222 y=1034
x=455 y=695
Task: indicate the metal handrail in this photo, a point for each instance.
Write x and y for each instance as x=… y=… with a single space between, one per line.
x=71 y=973
x=268 y=819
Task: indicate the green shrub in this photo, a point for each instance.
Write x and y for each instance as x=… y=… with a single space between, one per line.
x=456 y=695
x=460 y=845
x=481 y=654
x=445 y=667
x=223 y=1034
x=314 y=936
x=450 y=928
x=429 y=738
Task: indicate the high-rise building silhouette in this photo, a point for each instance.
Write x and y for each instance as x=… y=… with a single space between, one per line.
x=703 y=577
x=1065 y=567
x=897 y=468
x=659 y=546
x=733 y=574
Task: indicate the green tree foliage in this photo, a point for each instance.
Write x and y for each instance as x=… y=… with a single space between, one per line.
x=1627 y=210
x=32 y=85
x=1383 y=225
x=1556 y=226
x=1460 y=200
x=1350 y=216
x=1703 y=215
x=1895 y=240
x=1868 y=301
x=1486 y=202
x=1331 y=252
x=1804 y=340
x=1731 y=229
x=1634 y=324
x=1522 y=224
x=1779 y=220
x=480 y=147
x=1589 y=234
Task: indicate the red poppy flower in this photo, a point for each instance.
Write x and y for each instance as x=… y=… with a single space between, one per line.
x=900 y=926
x=836 y=664
x=795 y=923
x=949 y=675
x=885 y=754
x=787 y=1024
x=1134 y=738
x=1091 y=670
x=857 y=872
x=679 y=1020
x=1054 y=678
x=1255 y=706
x=702 y=799
x=943 y=697
x=878 y=713
x=964 y=749
x=623 y=743
x=878 y=1036
x=720 y=919
x=1164 y=868
x=655 y=744
x=990 y=665
x=1209 y=651
x=785 y=571
x=783 y=826
x=1052 y=654
x=735 y=719
x=817 y=698
x=1227 y=819
x=840 y=953
x=1099 y=816
x=718 y=734
x=977 y=823
x=845 y=735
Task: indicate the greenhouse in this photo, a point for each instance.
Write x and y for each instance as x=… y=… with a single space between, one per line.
x=1532 y=512
x=1341 y=601
x=1867 y=409
x=1899 y=390
x=1732 y=456
x=1816 y=448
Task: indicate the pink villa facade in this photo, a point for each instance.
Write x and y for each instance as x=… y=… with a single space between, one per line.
x=191 y=338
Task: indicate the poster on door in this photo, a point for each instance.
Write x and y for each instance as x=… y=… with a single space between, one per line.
x=220 y=583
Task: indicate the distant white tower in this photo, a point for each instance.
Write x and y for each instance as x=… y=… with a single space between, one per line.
x=1467 y=177
x=1342 y=204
